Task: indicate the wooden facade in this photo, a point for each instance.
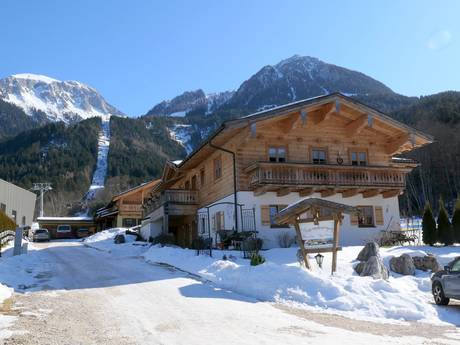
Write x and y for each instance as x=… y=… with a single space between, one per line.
x=328 y=145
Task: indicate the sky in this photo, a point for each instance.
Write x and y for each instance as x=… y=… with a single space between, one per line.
x=139 y=52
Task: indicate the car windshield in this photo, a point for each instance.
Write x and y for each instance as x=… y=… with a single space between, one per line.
x=41 y=231
x=63 y=228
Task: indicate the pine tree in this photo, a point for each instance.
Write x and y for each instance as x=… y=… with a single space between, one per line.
x=429 y=226
x=456 y=222
x=445 y=233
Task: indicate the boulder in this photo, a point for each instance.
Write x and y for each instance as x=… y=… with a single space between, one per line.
x=402 y=265
x=426 y=263
x=359 y=267
x=374 y=268
x=370 y=249
x=120 y=238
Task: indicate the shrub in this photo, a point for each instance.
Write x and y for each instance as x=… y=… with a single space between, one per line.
x=445 y=234
x=429 y=226
x=285 y=239
x=257 y=259
x=164 y=239
x=456 y=222
x=6 y=223
x=201 y=243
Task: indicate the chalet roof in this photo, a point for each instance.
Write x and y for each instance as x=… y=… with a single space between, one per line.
x=149 y=184
x=298 y=106
x=304 y=205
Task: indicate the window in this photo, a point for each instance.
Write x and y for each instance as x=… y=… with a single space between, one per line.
x=456 y=266
x=318 y=156
x=3 y=208
x=187 y=185
x=358 y=158
x=217 y=168
x=129 y=222
x=277 y=154
x=194 y=182
x=14 y=214
x=202 y=178
x=366 y=217
x=274 y=209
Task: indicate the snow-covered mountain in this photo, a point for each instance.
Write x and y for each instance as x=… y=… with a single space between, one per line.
x=189 y=101
x=67 y=101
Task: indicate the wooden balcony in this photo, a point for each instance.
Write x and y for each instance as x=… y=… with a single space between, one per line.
x=172 y=197
x=328 y=179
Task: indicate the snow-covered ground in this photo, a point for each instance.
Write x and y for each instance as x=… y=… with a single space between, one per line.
x=65 y=292
x=100 y=172
x=281 y=279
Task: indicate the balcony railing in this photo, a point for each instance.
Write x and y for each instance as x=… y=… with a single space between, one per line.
x=175 y=196
x=305 y=174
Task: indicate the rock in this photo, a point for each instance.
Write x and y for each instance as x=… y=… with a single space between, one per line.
x=426 y=263
x=370 y=249
x=120 y=238
x=374 y=268
x=402 y=265
x=359 y=267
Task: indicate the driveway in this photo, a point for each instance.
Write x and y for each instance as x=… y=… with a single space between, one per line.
x=87 y=296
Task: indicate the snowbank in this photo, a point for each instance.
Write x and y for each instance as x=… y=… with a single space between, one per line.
x=281 y=279
x=104 y=241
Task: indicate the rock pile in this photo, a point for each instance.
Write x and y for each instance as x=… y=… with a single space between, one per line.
x=406 y=265
x=371 y=264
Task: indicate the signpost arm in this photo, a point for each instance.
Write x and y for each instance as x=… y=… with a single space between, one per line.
x=300 y=243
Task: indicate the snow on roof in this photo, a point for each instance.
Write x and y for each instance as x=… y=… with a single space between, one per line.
x=36 y=77
x=65 y=219
x=177 y=162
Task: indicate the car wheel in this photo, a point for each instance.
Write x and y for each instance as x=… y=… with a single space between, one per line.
x=438 y=294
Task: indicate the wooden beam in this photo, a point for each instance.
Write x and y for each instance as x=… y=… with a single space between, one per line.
x=328 y=192
x=356 y=126
x=287 y=124
x=391 y=193
x=283 y=191
x=260 y=190
x=327 y=114
x=349 y=193
x=370 y=193
x=395 y=144
x=306 y=192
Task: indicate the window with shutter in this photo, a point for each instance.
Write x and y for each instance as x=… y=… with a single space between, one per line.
x=354 y=219
x=379 y=215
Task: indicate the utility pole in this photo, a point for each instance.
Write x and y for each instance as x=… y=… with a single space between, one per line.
x=42 y=187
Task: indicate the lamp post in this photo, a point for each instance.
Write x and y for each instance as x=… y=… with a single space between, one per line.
x=319 y=259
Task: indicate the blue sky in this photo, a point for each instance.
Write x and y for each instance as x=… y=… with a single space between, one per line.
x=138 y=52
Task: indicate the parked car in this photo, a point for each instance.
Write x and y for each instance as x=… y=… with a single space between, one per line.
x=82 y=232
x=446 y=283
x=40 y=235
x=64 y=231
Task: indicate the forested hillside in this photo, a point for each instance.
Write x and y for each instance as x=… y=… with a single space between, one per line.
x=56 y=153
x=439 y=174
x=14 y=120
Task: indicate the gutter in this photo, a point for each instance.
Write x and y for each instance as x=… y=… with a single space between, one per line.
x=235 y=197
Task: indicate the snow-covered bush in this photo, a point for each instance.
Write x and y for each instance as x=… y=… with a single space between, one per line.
x=285 y=239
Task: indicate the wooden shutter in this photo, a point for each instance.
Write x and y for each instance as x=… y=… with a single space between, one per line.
x=222 y=220
x=265 y=214
x=378 y=210
x=353 y=219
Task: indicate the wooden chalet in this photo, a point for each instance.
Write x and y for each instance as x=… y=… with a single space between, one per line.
x=331 y=147
x=125 y=209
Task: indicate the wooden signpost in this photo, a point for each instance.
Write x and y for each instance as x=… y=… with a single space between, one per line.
x=312 y=218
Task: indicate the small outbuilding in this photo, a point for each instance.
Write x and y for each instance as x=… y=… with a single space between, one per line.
x=75 y=223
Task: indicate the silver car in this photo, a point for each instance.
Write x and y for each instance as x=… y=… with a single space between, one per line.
x=446 y=283
x=41 y=235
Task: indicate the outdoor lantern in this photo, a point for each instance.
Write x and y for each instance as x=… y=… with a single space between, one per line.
x=319 y=259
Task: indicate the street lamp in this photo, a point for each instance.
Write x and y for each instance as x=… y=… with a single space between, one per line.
x=319 y=259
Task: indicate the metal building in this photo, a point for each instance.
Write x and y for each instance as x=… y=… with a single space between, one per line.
x=18 y=203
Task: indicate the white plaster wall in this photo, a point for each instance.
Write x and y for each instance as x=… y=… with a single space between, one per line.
x=153 y=225
x=349 y=235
